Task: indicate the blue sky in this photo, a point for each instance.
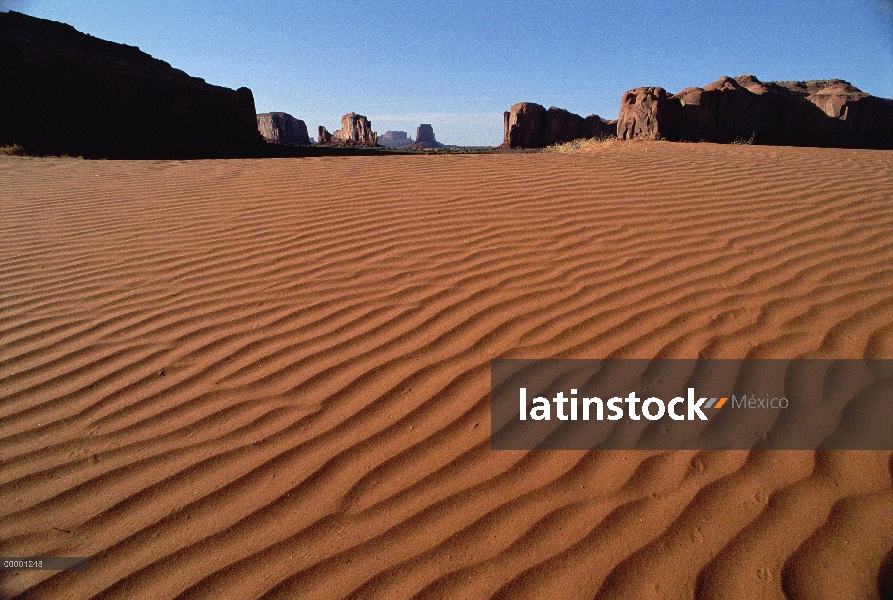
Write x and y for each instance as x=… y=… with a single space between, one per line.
x=459 y=64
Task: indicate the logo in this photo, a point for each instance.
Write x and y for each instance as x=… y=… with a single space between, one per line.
x=691 y=404
x=652 y=408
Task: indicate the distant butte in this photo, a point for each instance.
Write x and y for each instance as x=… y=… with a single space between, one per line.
x=425 y=137
x=282 y=128
x=395 y=139
x=356 y=131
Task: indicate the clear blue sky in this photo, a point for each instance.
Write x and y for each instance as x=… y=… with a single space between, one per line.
x=458 y=64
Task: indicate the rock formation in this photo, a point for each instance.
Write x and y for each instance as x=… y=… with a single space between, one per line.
x=846 y=117
x=282 y=128
x=356 y=130
x=563 y=126
x=395 y=139
x=524 y=126
x=424 y=137
x=65 y=92
x=425 y=134
x=828 y=113
x=645 y=113
x=529 y=125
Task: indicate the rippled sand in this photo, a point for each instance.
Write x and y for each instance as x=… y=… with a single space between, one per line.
x=270 y=378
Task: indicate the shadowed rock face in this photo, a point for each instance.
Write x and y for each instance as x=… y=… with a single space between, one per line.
x=529 y=125
x=828 y=113
x=563 y=126
x=282 y=128
x=324 y=136
x=425 y=133
x=524 y=126
x=65 y=92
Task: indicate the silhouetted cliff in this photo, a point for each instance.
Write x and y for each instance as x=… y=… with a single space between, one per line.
x=65 y=92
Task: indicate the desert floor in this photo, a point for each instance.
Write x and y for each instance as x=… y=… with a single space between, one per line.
x=270 y=378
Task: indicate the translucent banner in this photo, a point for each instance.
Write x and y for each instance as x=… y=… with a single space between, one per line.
x=697 y=404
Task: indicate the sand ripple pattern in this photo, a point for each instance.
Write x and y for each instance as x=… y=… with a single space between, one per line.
x=269 y=378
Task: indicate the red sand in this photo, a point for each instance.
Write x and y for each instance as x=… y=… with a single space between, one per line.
x=235 y=379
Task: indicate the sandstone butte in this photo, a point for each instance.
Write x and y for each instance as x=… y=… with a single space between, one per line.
x=356 y=131
x=282 y=128
x=65 y=92
x=425 y=137
x=395 y=139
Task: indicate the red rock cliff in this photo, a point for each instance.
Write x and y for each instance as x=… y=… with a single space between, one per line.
x=827 y=113
x=282 y=128
x=529 y=125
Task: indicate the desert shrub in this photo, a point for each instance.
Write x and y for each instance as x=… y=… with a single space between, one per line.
x=12 y=150
x=584 y=144
x=649 y=137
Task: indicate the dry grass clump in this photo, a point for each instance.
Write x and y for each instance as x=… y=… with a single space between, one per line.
x=13 y=150
x=584 y=145
x=647 y=137
x=742 y=141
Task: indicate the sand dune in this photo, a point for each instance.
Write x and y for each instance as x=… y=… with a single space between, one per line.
x=270 y=378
